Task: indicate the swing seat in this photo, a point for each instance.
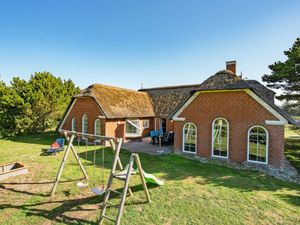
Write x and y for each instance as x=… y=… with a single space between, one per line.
x=81 y=184
x=98 y=191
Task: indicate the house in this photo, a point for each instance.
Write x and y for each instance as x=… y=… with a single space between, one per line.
x=224 y=117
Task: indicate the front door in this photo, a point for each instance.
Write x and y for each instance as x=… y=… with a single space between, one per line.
x=163 y=125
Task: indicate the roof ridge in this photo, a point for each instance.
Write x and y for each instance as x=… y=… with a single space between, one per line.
x=169 y=87
x=113 y=87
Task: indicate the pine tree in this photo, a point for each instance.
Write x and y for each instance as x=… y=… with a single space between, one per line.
x=285 y=76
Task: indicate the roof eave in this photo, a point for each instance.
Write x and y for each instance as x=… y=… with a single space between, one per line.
x=289 y=119
x=65 y=113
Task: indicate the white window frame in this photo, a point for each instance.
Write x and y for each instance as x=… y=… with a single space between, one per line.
x=147 y=124
x=212 y=137
x=95 y=122
x=138 y=133
x=196 y=136
x=82 y=123
x=267 y=145
x=72 y=124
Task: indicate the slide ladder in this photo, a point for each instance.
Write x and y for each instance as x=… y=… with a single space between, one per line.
x=125 y=177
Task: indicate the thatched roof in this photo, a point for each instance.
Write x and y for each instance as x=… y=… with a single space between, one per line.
x=163 y=102
x=167 y=99
x=118 y=102
x=226 y=80
x=223 y=80
x=263 y=90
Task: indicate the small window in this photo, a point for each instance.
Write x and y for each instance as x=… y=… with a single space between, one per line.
x=84 y=124
x=97 y=127
x=145 y=124
x=220 y=138
x=132 y=128
x=73 y=124
x=189 y=138
x=258 y=144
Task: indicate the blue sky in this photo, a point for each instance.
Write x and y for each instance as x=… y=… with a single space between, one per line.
x=157 y=43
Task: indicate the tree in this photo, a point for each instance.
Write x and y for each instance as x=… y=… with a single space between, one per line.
x=49 y=97
x=34 y=105
x=285 y=76
x=13 y=111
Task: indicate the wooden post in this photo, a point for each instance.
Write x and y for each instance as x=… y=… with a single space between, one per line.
x=110 y=180
x=126 y=186
x=76 y=156
x=62 y=165
x=113 y=146
x=159 y=140
x=141 y=172
x=79 y=162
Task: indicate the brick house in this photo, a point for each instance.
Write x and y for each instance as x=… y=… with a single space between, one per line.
x=224 y=117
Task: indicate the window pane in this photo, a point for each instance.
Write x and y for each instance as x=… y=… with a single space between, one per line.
x=258 y=144
x=85 y=124
x=220 y=138
x=97 y=127
x=146 y=123
x=130 y=129
x=189 y=137
x=74 y=125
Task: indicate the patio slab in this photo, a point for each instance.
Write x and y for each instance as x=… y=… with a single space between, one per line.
x=145 y=146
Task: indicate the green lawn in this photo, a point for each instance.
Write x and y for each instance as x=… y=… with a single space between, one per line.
x=194 y=193
x=292 y=147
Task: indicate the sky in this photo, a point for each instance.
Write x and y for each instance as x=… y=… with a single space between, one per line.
x=134 y=42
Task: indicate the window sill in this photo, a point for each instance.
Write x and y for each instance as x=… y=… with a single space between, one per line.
x=219 y=157
x=188 y=152
x=132 y=136
x=257 y=162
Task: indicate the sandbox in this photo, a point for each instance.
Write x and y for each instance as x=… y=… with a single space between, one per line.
x=12 y=169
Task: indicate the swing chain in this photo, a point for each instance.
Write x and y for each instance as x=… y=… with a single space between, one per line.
x=102 y=181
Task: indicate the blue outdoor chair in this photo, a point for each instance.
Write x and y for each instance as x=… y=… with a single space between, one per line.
x=60 y=142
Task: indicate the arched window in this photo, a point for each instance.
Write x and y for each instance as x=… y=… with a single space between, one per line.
x=189 y=138
x=258 y=139
x=220 y=138
x=84 y=124
x=73 y=124
x=97 y=127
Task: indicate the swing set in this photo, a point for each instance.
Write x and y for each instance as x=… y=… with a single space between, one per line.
x=123 y=174
x=80 y=184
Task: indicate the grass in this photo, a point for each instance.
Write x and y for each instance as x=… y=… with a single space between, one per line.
x=292 y=147
x=194 y=193
x=291 y=131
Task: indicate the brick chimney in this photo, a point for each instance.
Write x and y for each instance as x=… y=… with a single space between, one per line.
x=231 y=65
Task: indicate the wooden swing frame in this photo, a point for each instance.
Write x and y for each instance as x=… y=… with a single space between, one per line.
x=70 y=135
x=115 y=144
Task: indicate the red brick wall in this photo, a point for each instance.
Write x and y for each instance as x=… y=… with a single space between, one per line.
x=170 y=125
x=109 y=127
x=242 y=112
x=113 y=128
x=86 y=106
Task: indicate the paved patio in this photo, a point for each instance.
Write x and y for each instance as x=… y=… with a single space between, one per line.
x=145 y=146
